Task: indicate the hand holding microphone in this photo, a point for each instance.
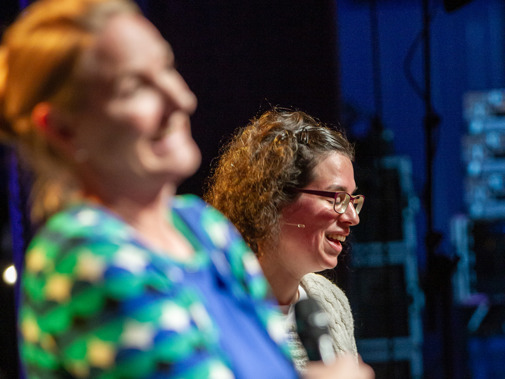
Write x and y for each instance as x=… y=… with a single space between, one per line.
x=312 y=326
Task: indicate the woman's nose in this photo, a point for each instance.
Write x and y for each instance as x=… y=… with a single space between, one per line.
x=177 y=93
x=350 y=215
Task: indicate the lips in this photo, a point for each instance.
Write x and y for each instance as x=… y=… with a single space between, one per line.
x=161 y=134
x=161 y=143
x=334 y=237
x=168 y=137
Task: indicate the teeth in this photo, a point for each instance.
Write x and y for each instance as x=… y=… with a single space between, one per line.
x=337 y=237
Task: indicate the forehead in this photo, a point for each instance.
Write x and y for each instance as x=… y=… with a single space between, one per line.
x=335 y=172
x=130 y=42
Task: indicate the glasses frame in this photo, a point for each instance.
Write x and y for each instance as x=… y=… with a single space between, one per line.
x=348 y=199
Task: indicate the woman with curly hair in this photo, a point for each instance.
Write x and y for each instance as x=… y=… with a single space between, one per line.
x=286 y=181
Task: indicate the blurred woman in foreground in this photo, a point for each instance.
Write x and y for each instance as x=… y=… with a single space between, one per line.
x=123 y=278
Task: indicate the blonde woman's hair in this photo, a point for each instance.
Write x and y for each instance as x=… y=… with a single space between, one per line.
x=39 y=60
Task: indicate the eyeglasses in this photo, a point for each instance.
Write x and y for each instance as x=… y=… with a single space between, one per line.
x=341 y=199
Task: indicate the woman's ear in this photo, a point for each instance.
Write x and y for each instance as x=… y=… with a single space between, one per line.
x=40 y=116
x=52 y=125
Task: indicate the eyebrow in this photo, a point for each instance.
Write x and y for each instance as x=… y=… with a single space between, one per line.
x=166 y=56
x=338 y=188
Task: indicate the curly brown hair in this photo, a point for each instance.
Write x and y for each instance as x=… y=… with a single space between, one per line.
x=264 y=163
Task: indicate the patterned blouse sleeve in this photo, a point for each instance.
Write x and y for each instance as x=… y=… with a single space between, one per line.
x=96 y=307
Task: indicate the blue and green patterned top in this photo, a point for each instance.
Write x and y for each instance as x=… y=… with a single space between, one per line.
x=98 y=302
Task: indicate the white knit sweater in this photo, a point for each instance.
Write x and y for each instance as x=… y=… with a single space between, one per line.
x=336 y=305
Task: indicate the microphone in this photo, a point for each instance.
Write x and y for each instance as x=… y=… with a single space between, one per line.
x=297 y=225
x=312 y=327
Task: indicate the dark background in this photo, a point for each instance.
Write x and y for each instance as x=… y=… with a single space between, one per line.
x=360 y=64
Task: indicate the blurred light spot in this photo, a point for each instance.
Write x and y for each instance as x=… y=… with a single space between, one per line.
x=10 y=275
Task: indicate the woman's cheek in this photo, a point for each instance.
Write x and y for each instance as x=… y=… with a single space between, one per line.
x=143 y=113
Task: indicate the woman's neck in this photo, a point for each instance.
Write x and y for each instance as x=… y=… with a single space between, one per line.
x=148 y=215
x=283 y=283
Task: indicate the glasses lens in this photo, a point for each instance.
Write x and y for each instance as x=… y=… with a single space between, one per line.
x=358 y=203
x=341 y=202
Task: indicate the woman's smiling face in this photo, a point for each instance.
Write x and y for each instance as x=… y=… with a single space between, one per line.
x=317 y=245
x=135 y=125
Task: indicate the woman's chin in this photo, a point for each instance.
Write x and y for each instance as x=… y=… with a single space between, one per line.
x=329 y=262
x=189 y=166
x=183 y=172
x=175 y=168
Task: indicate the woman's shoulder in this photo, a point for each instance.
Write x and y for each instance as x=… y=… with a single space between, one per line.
x=69 y=236
x=206 y=221
x=336 y=305
x=193 y=207
x=314 y=282
x=188 y=201
x=324 y=290
x=82 y=219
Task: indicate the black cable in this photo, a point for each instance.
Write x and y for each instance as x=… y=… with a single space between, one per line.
x=438 y=267
x=377 y=80
x=421 y=92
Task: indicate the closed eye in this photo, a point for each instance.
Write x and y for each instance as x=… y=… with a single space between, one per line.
x=129 y=85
